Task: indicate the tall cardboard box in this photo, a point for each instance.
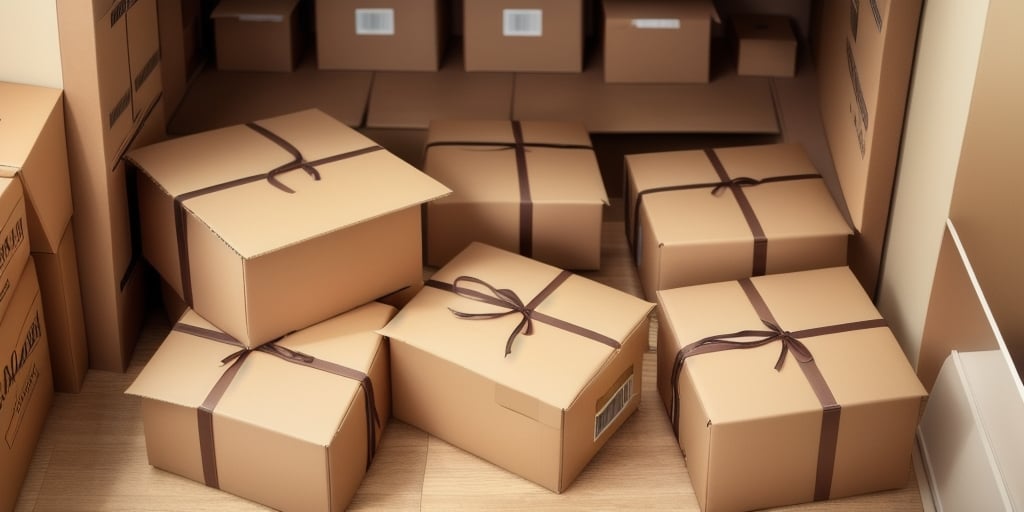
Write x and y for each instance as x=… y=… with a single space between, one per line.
x=523 y=35
x=257 y=36
x=65 y=321
x=14 y=243
x=381 y=35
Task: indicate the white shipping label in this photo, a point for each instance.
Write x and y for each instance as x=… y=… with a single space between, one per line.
x=611 y=409
x=656 y=23
x=375 y=22
x=522 y=22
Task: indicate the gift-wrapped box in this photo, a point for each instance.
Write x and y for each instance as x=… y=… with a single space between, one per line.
x=530 y=187
x=784 y=389
x=274 y=225
x=520 y=363
x=292 y=424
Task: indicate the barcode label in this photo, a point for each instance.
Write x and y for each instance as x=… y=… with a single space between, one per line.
x=119 y=108
x=375 y=22
x=611 y=410
x=522 y=22
x=655 y=23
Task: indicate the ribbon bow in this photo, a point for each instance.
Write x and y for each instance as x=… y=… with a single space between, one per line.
x=298 y=161
x=729 y=341
x=740 y=181
x=503 y=297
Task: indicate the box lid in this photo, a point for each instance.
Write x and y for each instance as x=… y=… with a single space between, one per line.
x=349 y=191
x=659 y=9
x=255 y=10
x=24 y=111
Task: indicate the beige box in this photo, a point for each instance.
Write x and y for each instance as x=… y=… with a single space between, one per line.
x=62 y=305
x=658 y=41
x=523 y=35
x=272 y=226
x=239 y=427
x=14 y=239
x=527 y=187
x=765 y=45
x=380 y=35
x=702 y=216
x=257 y=36
x=833 y=414
x=534 y=375
x=27 y=390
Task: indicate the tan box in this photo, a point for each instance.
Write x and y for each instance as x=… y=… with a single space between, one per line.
x=534 y=375
x=179 y=47
x=65 y=321
x=252 y=437
x=380 y=35
x=523 y=35
x=257 y=36
x=14 y=239
x=712 y=215
x=834 y=414
x=27 y=390
x=765 y=45
x=272 y=226
x=527 y=187
x=658 y=41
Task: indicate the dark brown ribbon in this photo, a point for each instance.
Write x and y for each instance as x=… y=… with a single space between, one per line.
x=790 y=344
x=205 y=411
x=508 y=299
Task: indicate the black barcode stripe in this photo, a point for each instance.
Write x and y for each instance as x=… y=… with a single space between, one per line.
x=613 y=408
x=147 y=70
x=120 y=107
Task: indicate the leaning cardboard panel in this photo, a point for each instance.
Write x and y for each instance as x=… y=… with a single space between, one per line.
x=697 y=217
x=271 y=226
x=836 y=416
x=257 y=36
x=237 y=426
x=388 y=35
x=14 y=239
x=65 y=320
x=528 y=187
x=534 y=375
x=539 y=35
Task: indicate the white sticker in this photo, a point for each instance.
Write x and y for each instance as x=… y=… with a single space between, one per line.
x=656 y=23
x=522 y=22
x=375 y=22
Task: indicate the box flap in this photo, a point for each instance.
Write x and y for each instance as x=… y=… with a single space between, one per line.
x=275 y=11
x=628 y=10
x=24 y=111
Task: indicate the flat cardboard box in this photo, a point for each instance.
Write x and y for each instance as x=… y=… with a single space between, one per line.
x=267 y=446
x=545 y=201
x=14 y=239
x=33 y=147
x=543 y=410
x=381 y=35
x=261 y=253
x=754 y=436
x=523 y=35
x=658 y=41
x=27 y=390
x=765 y=45
x=264 y=35
x=62 y=306
x=687 y=225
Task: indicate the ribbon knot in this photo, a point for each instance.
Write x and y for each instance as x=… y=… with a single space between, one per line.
x=502 y=297
x=740 y=181
x=298 y=161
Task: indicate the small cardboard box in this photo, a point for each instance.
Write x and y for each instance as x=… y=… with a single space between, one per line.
x=523 y=35
x=257 y=36
x=528 y=187
x=837 y=418
x=380 y=35
x=272 y=226
x=698 y=216
x=14 y=239
x=65 y=321
x=538 y=381
x=658 y=41
x=253 y=437
x=765 y=45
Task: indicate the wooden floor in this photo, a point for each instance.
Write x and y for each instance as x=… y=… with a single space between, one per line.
x=92 y=456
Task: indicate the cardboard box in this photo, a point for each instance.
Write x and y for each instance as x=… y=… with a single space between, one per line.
x=380 y=35
x=527 y=187
x=62 y=306
x=252 y=437
x=27 y=390
x=833 y=415
x=257 y=36
x=765 y=45
x=14 y=242
x=523 y=35
x=275 y=225
x=712 y=215
x=536 y=389
x=658 y=41
x=180 y=44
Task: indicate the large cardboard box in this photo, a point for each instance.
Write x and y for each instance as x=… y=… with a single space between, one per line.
x=14 y=242
x=27 y=389
x=257 y=36
x=702 y=216
x=274 y=225
x=65 y=321
x=238 y=425
x=528 y=187
x=833 y=414
x=381 y=35
x=180 y=47
x=765 y=45
x=532 y=368
x=523 y=35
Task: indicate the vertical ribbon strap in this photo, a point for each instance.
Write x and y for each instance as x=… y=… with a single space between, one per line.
x=760 y=240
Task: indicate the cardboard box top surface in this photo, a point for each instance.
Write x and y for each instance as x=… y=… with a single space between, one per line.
x=552 y=364
x=255 y=10
x=186 y=367
x=349 y=191
x=763 y=27
x=659 y=9
x=860 y=366
x=24 y=111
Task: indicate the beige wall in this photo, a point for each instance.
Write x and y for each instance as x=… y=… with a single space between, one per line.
x=29 y=47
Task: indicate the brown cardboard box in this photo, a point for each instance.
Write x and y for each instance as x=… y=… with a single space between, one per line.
x=62 y=305
x=379 y=35
x=179 y=47
x=523 y=35
x=252 y=437
x=273 y=226
x=658 y=41
x=14 y=242
x=537 y=393
x=766 y=45
x=527 y=187
x=711 y=215
x=836 y=419
x=257 y=36
x=27 y=389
